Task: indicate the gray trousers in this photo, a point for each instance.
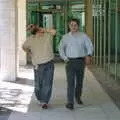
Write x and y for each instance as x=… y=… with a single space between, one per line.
x=75 y=73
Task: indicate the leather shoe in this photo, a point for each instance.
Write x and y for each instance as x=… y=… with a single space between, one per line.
x=79 y=101
x=69 y=106
x=44 y=106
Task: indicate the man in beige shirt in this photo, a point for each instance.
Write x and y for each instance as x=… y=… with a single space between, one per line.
x=39 y=47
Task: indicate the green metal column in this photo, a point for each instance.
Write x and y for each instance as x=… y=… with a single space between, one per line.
x=118 y=41
x=66 y=8
x=109 y=35
x=59 y=26
x=101 y=20
x=97 y=35
x=94 y=29
x=104 y=48
x=116 y=38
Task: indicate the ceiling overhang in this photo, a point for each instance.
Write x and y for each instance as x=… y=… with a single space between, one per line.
x=57 y=2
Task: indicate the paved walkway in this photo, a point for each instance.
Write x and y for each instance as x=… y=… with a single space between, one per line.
x=97 y=104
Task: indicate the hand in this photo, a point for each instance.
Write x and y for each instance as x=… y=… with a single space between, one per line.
x=42 y=30
x=30 y=54
x=53 y=31
x=28 y=51
x=88 y=60
x=67 y=60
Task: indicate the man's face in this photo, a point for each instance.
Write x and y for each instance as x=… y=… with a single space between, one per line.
x=73 y=26
x=33 y=29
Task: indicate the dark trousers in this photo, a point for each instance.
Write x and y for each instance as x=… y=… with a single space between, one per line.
x=43 y=81
x=75 y=73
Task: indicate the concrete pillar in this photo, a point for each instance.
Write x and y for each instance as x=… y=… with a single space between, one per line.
x=8 y=40
x=21 y=5
x=88 y=18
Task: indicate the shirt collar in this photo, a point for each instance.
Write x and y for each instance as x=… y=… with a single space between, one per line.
x=70 y=33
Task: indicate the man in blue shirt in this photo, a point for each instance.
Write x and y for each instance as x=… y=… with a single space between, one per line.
x=76 y=50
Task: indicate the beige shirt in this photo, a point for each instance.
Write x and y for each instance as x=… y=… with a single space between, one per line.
x=41 y=48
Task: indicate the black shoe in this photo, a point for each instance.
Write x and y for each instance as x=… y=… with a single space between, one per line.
x=69 y=106
x=44 y=106
x=79 y=101
x=77 y=97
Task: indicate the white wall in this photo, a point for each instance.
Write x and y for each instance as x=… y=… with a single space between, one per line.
x=8 y=40
x=21 y=30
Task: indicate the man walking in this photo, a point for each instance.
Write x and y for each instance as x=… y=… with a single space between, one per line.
x=39 y=47
x=76 y=50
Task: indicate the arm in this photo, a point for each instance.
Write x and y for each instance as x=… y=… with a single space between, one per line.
x=88 y=60
x=51 y=31
x=89 y=48
x=27 y=50
x=26 y=47
x=62 y=50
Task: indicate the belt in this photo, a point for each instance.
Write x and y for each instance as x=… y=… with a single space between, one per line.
x=78 y=58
